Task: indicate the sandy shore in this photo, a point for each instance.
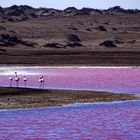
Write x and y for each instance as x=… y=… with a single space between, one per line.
x=13 y=98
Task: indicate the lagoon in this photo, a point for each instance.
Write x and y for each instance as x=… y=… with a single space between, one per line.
x=114 y=79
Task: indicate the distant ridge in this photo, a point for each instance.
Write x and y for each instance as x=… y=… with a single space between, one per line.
x=24 y=12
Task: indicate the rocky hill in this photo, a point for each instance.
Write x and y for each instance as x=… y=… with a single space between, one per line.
x=24 y=12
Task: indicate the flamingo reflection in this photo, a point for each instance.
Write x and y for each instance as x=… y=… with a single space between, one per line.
x=10 y=80
x=25 y=81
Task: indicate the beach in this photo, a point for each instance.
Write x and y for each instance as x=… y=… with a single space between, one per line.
x=14 y=98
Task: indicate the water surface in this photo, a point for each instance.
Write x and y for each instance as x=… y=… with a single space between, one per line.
x=100 y=121
x=97 y=121
x=115 y=79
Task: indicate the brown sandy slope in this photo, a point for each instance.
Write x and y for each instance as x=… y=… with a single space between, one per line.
x=45 y=39
x=12 y=98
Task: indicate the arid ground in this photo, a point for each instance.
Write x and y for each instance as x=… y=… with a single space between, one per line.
x=13 y=98
x=91 y=37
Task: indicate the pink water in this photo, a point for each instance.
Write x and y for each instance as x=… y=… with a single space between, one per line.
x=124 y=80
x=103 y=121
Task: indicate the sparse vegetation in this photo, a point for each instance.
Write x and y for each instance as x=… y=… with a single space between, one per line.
x=73 y=38
x=108 y=43
x=101 y=28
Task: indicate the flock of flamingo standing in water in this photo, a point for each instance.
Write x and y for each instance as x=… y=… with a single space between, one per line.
x=17 y=79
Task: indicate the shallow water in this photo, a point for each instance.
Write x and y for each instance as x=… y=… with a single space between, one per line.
x=100 y=121
x=117 y=79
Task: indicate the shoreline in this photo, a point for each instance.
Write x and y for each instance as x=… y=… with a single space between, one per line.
x=31 y=57
x=72 y=105
x=22 y=98
x=65 y=66
x=73 y=89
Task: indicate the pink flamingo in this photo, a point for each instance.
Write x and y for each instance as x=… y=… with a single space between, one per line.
x=11 y=80
x=41 y=81
x=17 y=79
x=25 y=80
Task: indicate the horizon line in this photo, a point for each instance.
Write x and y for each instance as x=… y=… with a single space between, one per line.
x=71 y=7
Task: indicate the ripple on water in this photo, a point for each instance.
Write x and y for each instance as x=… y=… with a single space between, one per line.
x=118 y=120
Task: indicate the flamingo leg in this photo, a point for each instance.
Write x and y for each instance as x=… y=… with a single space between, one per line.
x=10 y=83
x=24 y=84
x=17 y=84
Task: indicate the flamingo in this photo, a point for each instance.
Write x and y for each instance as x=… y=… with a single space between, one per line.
x=11 y=80
x=17 y=79
x=25 y=80
x=41 y=81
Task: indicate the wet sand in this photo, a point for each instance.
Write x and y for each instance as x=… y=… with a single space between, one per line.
x=13 y=98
